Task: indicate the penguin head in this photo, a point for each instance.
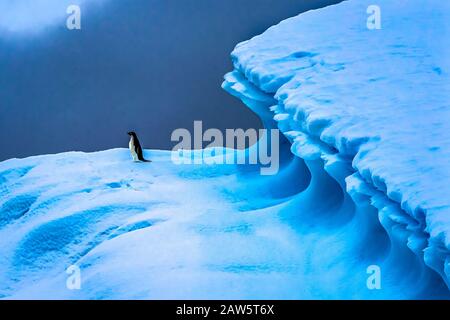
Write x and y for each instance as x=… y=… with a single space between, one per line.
x=132 y=133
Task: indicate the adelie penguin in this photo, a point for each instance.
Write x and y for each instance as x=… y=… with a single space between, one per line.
x=135 y=148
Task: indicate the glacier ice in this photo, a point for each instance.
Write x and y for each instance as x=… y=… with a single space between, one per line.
x=363 y=181
x=376 y=99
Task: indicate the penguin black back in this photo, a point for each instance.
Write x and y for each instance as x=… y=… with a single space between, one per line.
x=135 y=147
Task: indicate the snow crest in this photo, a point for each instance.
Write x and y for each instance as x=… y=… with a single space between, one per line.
x=373 y=106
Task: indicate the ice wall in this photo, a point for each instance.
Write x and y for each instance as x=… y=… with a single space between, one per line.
x=371 y=106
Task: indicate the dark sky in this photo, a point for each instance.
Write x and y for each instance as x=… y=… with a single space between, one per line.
x=146 y=65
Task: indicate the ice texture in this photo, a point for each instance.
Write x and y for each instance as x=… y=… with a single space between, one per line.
x=363 y=181
x=376 y=97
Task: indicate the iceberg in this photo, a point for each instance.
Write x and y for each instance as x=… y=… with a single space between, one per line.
x=363 y=181
x=372 y=106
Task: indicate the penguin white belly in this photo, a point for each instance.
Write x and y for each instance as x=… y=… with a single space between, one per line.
x=133 y=150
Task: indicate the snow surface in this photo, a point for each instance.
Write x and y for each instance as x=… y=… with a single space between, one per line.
x=379 y=98
x=159 y=230
x=363 y=181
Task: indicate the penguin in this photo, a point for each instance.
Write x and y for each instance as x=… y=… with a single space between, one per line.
x=135 y=148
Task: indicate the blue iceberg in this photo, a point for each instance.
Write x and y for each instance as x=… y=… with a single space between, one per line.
x=363 y=182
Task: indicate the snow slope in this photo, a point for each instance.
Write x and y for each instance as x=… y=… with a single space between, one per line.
x=160 y=230
x=377 y=100
x=362 y=181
